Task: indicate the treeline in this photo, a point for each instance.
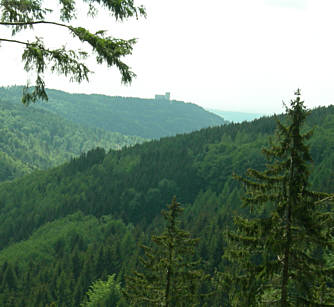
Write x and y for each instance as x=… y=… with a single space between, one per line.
x=32 y=139
x=88 y=217
x=147 y=118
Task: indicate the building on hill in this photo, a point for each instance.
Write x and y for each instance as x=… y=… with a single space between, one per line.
x=163 y=97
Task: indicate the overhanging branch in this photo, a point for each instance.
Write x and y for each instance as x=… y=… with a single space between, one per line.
x=14 y=41
x=30 y=23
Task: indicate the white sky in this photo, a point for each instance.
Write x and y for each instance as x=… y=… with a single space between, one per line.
x=241 y=55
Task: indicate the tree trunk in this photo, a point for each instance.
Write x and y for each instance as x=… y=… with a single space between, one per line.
x=291 y=202
x=285 y=277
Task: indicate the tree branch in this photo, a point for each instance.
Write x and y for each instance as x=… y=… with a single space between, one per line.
x=14 y=41
x=27 y=23
x=330 y=198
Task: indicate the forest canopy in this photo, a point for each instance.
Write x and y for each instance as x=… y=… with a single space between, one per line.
x=89 y=217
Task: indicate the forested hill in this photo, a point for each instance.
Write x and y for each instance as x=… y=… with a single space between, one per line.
x=147 y=118
x=88 y=217
x=33 y=139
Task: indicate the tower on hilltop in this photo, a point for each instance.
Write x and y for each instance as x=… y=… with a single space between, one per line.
x=165 y=97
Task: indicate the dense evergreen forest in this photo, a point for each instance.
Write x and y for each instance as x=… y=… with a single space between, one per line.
x=147 y=118
x=64 y=228
x=32 y=139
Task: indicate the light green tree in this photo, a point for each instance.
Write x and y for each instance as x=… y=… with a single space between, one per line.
x=37 y=57
x=279 y=254
x=103 y=293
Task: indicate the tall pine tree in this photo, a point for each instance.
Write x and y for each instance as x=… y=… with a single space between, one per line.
x=170 y=277
x=279 y=253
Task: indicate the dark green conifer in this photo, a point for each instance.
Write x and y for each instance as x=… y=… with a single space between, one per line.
x=170 y=276
x=279 y=253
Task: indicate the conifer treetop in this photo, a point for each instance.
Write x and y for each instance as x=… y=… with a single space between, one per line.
x=170 y=277
x=288 y=234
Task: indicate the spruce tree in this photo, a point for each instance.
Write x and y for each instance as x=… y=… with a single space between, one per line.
x=279 y=252
x=170 y=276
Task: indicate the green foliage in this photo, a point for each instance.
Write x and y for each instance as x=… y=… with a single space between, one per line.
x=170 y=276
x=37 y=139
x=103 y=293
x=109 y=50
x=59 y=262
x=278 y=249
x=49 y=239
x=120 y=195
x=23 y=15
x=97 y=184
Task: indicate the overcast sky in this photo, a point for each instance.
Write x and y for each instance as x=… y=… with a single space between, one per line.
x=240 y=55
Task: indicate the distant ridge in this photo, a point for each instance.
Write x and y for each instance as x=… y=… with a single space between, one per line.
x=147 y=118
x=236 y=117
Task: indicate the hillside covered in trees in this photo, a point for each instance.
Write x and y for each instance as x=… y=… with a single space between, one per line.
x=89 y=217
x=146 y=118
x=32 y=139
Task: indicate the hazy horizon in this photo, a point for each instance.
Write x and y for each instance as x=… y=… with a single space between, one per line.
x=245 y=56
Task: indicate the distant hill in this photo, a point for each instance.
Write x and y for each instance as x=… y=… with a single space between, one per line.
x=148 y=118
x=32 y=138
x=236 y=117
